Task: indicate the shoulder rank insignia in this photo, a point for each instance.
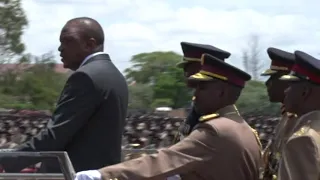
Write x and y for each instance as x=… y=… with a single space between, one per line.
x=291 y=115
x=193 y=98
x=301 y=131
x=208 y=117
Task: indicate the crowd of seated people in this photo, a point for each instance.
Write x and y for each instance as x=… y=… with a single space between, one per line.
x=142 y=130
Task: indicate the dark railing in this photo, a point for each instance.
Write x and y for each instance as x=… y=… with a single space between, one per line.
x=68 y=172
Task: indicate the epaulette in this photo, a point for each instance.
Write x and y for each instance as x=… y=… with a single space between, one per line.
x=301 y=131
x=291 y=115
x=208 y=117
x=193 y=98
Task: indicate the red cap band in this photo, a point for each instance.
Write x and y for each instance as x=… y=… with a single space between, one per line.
x=312 y=76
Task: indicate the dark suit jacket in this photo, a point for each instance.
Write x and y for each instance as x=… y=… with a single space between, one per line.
x=88 y=121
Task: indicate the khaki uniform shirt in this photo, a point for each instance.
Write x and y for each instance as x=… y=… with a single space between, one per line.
x=300 y=156
x=221 y=147
x=283 y=131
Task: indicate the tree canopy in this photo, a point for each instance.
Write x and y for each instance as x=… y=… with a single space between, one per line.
x=35 y=86
x=158 y=71
x=13 y=21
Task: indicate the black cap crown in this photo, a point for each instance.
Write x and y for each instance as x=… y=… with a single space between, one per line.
x=280 y=61
x=192 y=52
x=306 y=67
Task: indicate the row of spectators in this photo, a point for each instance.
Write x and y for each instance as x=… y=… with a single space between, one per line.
x=147 y=130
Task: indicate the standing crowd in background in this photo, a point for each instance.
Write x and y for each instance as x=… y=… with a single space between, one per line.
x=150 y=130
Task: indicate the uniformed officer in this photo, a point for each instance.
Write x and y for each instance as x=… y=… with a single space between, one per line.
x=300 y=155
x=191 y=65
x=222 y=146
x=281 y=64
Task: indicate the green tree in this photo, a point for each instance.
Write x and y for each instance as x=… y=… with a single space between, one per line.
x=10 y=76
x=254 y=99
x=12 y=23
x=159 y=71
x=171 y=90
x=37 y=86
x=140 y=96
x=41 y=83
x=146 y=67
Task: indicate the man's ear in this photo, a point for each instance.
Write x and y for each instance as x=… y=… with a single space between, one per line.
x=91 y=44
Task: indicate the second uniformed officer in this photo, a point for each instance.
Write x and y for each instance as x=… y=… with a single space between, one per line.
x=300 y=155
x=191 y=65
x=281 y=64
x=222 y=146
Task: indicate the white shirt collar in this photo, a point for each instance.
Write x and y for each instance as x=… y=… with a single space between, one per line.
x=90 y=56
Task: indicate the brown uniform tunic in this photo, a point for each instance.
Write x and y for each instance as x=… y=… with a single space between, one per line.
x=221 y=147
x=272 y=153
x=300 y=156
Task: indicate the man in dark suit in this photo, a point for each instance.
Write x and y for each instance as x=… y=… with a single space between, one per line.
x=89 y=118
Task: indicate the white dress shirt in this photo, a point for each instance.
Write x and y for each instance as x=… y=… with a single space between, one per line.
x=90 y=56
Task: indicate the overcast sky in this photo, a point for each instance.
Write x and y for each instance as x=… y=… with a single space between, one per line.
x=134 y=26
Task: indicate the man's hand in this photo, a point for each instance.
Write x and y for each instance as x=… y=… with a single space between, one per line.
x=88 y=175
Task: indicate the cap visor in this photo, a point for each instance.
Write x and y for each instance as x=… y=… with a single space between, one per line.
x=268 y=72
x=200 y=77
x=186 y=61
x=195 y=79
x=289 y=78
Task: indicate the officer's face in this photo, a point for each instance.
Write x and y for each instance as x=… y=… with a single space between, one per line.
x=207 y=96
x=191 y=68
x=276 y=87
x=296 y=96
